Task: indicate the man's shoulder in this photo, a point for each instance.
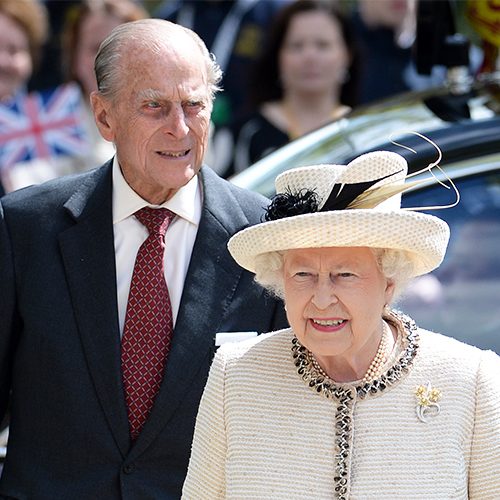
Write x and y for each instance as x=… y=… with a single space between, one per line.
x=55 y=191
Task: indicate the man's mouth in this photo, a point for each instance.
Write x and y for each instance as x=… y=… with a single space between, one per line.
x=174 y=155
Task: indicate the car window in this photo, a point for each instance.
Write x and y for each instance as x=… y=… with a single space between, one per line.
x=462 y=297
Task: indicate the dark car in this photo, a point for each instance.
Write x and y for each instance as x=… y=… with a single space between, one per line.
x=462 y=297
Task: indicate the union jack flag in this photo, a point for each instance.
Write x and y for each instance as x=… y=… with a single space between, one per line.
x=43 y=124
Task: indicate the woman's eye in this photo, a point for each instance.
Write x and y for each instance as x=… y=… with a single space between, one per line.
x=302 y=274
x=154 y=104
x=295 y=46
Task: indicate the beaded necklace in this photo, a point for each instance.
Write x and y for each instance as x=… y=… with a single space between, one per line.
x=378 y=361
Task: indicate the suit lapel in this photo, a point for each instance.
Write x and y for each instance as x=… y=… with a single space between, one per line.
x=210 y=284
x=88 y=254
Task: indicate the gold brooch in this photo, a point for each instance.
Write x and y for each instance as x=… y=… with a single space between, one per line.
x=427 y=399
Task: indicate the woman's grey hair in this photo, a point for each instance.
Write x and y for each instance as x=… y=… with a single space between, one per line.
x=109 y=71
x=397 y=266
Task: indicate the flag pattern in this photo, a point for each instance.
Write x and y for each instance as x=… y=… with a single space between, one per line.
x=42 y=125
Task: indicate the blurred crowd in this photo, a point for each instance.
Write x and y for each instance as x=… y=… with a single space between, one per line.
x=290 y=66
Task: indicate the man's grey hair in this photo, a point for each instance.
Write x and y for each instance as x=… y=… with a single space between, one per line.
x=397 y=266
x=145 y=32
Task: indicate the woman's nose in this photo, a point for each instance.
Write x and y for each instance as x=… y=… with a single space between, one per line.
x=324 y=294
x=6 y=59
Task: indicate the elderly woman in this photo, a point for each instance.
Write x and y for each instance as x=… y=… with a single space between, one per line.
x=354 y=401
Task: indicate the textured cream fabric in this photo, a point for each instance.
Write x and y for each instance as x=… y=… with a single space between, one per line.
x=262 y=433
x=423 y=235
x=367 y=167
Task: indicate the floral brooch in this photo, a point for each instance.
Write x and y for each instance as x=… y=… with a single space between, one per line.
x=427 y=401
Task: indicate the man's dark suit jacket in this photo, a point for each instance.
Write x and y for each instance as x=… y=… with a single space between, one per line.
x=60 y=341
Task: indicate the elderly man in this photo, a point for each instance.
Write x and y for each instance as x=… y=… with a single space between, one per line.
x=105 y=363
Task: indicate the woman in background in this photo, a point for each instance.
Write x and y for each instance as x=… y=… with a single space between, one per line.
x=24 y=29
x=306 y=77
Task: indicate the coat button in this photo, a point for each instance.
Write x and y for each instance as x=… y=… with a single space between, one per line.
x=128 y=469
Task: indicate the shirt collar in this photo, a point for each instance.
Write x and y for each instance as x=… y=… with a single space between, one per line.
x=186 y=202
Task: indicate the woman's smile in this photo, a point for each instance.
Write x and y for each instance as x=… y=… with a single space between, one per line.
x=327 y=325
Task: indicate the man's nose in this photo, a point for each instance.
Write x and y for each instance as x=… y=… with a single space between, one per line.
x=175 y=122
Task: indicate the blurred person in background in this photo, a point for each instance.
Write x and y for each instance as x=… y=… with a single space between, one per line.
x=387 y=31
x=307 y=76
x=24 y=29
x=54 y=133
x=88 y=24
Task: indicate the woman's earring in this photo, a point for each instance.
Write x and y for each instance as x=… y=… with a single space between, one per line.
x=386 y=310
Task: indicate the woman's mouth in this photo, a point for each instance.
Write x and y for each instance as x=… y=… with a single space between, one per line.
x=327 y=324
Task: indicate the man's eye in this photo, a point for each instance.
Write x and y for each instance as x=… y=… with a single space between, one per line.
x=154 y=104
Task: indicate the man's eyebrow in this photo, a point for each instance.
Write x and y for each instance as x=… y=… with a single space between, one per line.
x=198 y=95
x=150 y=95
x=155 y=95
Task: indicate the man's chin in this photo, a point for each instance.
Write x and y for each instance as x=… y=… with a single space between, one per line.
x=177 y=179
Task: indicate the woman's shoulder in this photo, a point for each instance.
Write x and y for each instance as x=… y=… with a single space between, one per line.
x=441 y=349
x=266 y=343
x=445 y=343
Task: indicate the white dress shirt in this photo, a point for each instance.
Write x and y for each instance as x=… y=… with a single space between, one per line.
x=129 y=234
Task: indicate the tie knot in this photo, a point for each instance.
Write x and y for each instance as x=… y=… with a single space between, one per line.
x=155 y=219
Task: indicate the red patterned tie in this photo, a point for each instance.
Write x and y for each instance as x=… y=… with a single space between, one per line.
x=148 y=321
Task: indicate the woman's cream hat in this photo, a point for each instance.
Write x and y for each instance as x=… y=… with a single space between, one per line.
x=359 y=205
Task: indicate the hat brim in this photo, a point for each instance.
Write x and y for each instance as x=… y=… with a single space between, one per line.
x=423 y=235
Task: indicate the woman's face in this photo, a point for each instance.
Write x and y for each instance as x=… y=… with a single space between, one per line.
x=334 y=299
x=314 y=56
x=94 y=28
x=16 y=65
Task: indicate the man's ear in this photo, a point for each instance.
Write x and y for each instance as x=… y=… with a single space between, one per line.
x=101 y=109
